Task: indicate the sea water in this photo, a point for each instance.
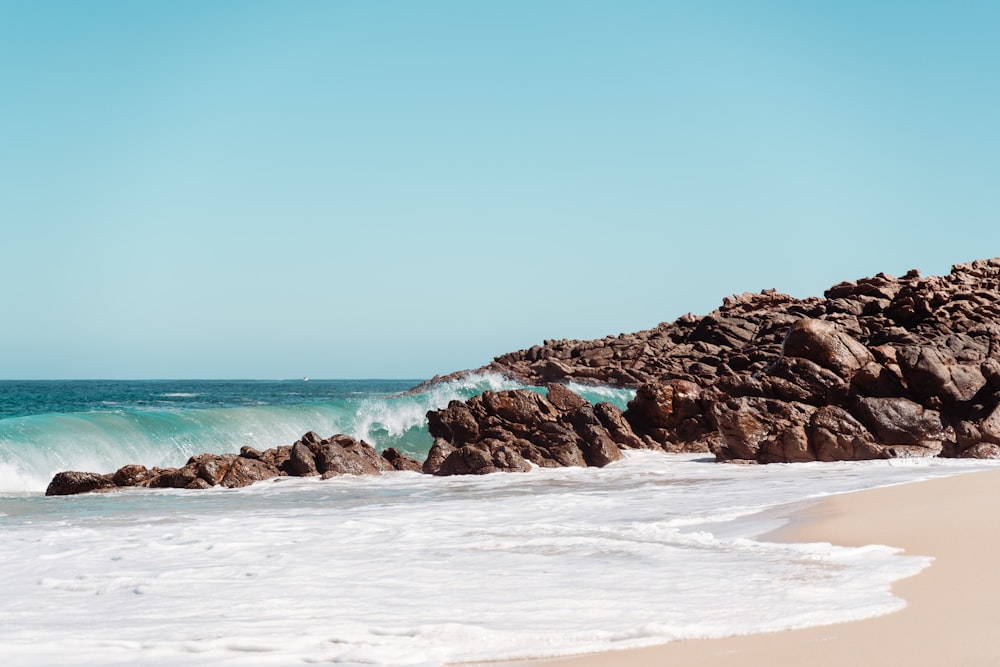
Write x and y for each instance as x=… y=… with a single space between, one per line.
x=402 y=568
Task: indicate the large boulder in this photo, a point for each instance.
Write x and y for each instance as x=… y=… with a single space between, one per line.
x=824 y=343
x=933 y=373
x=669 y=415
x=899 y=421
x=72 y=482
x=835 y=435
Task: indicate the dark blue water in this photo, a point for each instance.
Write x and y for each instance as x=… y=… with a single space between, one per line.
x=37 y=397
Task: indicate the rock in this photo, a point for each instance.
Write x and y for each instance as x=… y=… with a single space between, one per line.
x=804 y=381
x=172 y=478
x=934 y=373
x=762 y=429
x=563 y=399
x=71 y=482
x=669 y=415
x=837 y=436
x=456 y=424
x=310 y=439
x=989 y=428
x=984 y=450
x=440 y=450
x=614 y=422
x=401 y=461
x=301 y=462
x=663 y=405
x=248 y=452
x=343 y=455
x=492 y=456
x=244 y=472
x=899 y=421
x=599 y=450
x=211 y=468
x=130 y=475
x=825 y=344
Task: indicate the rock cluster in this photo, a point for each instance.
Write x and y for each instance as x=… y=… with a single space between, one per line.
x=507 y=430
x=878 y=368
x=747 y=331
x=311 y=456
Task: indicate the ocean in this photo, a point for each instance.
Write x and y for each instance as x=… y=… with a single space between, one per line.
x=402 y=568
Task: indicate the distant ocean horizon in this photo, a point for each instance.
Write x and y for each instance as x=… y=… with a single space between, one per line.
x=397 y=569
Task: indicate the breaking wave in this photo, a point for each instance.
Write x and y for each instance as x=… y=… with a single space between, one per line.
x=34 y=447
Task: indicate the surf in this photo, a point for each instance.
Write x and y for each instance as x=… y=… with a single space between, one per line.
x=34 y=447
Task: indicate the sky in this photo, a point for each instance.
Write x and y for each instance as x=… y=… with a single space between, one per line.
x=242 y=189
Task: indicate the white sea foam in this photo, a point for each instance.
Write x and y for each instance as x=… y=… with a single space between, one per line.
x=407 y=569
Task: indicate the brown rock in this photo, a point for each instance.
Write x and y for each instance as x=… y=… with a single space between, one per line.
x=343 y=455
x=837 y=436
x=72 y=482
x=899 y=421
x=494 y=456
x=984 y=450
x=440 y=450
x=456 y=424
x=825 y=344
x=619 y=430
x=989 y=429
x=663 y=404
x=563 y=399
x=244 y=472
x=933 y=372
x=130 y=475
x=248 y=452
x=756 y=428
x=172 y=478
x=301 y=462
x=401 y=461
x=212 y=468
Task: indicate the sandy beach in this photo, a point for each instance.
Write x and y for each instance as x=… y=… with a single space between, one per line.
x=952 y=607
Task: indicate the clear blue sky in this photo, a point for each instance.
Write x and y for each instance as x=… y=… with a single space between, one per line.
x=397 y=189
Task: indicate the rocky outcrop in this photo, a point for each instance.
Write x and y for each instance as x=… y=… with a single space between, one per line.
x=510 y=430
x=310 y=456
x=952 y=312
x=877 y=368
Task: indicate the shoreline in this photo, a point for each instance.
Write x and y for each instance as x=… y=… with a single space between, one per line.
x=951 y=611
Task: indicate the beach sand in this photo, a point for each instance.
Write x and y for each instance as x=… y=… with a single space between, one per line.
x=952 y=612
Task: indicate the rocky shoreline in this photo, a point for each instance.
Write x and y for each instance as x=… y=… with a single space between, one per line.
x=881 y=367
